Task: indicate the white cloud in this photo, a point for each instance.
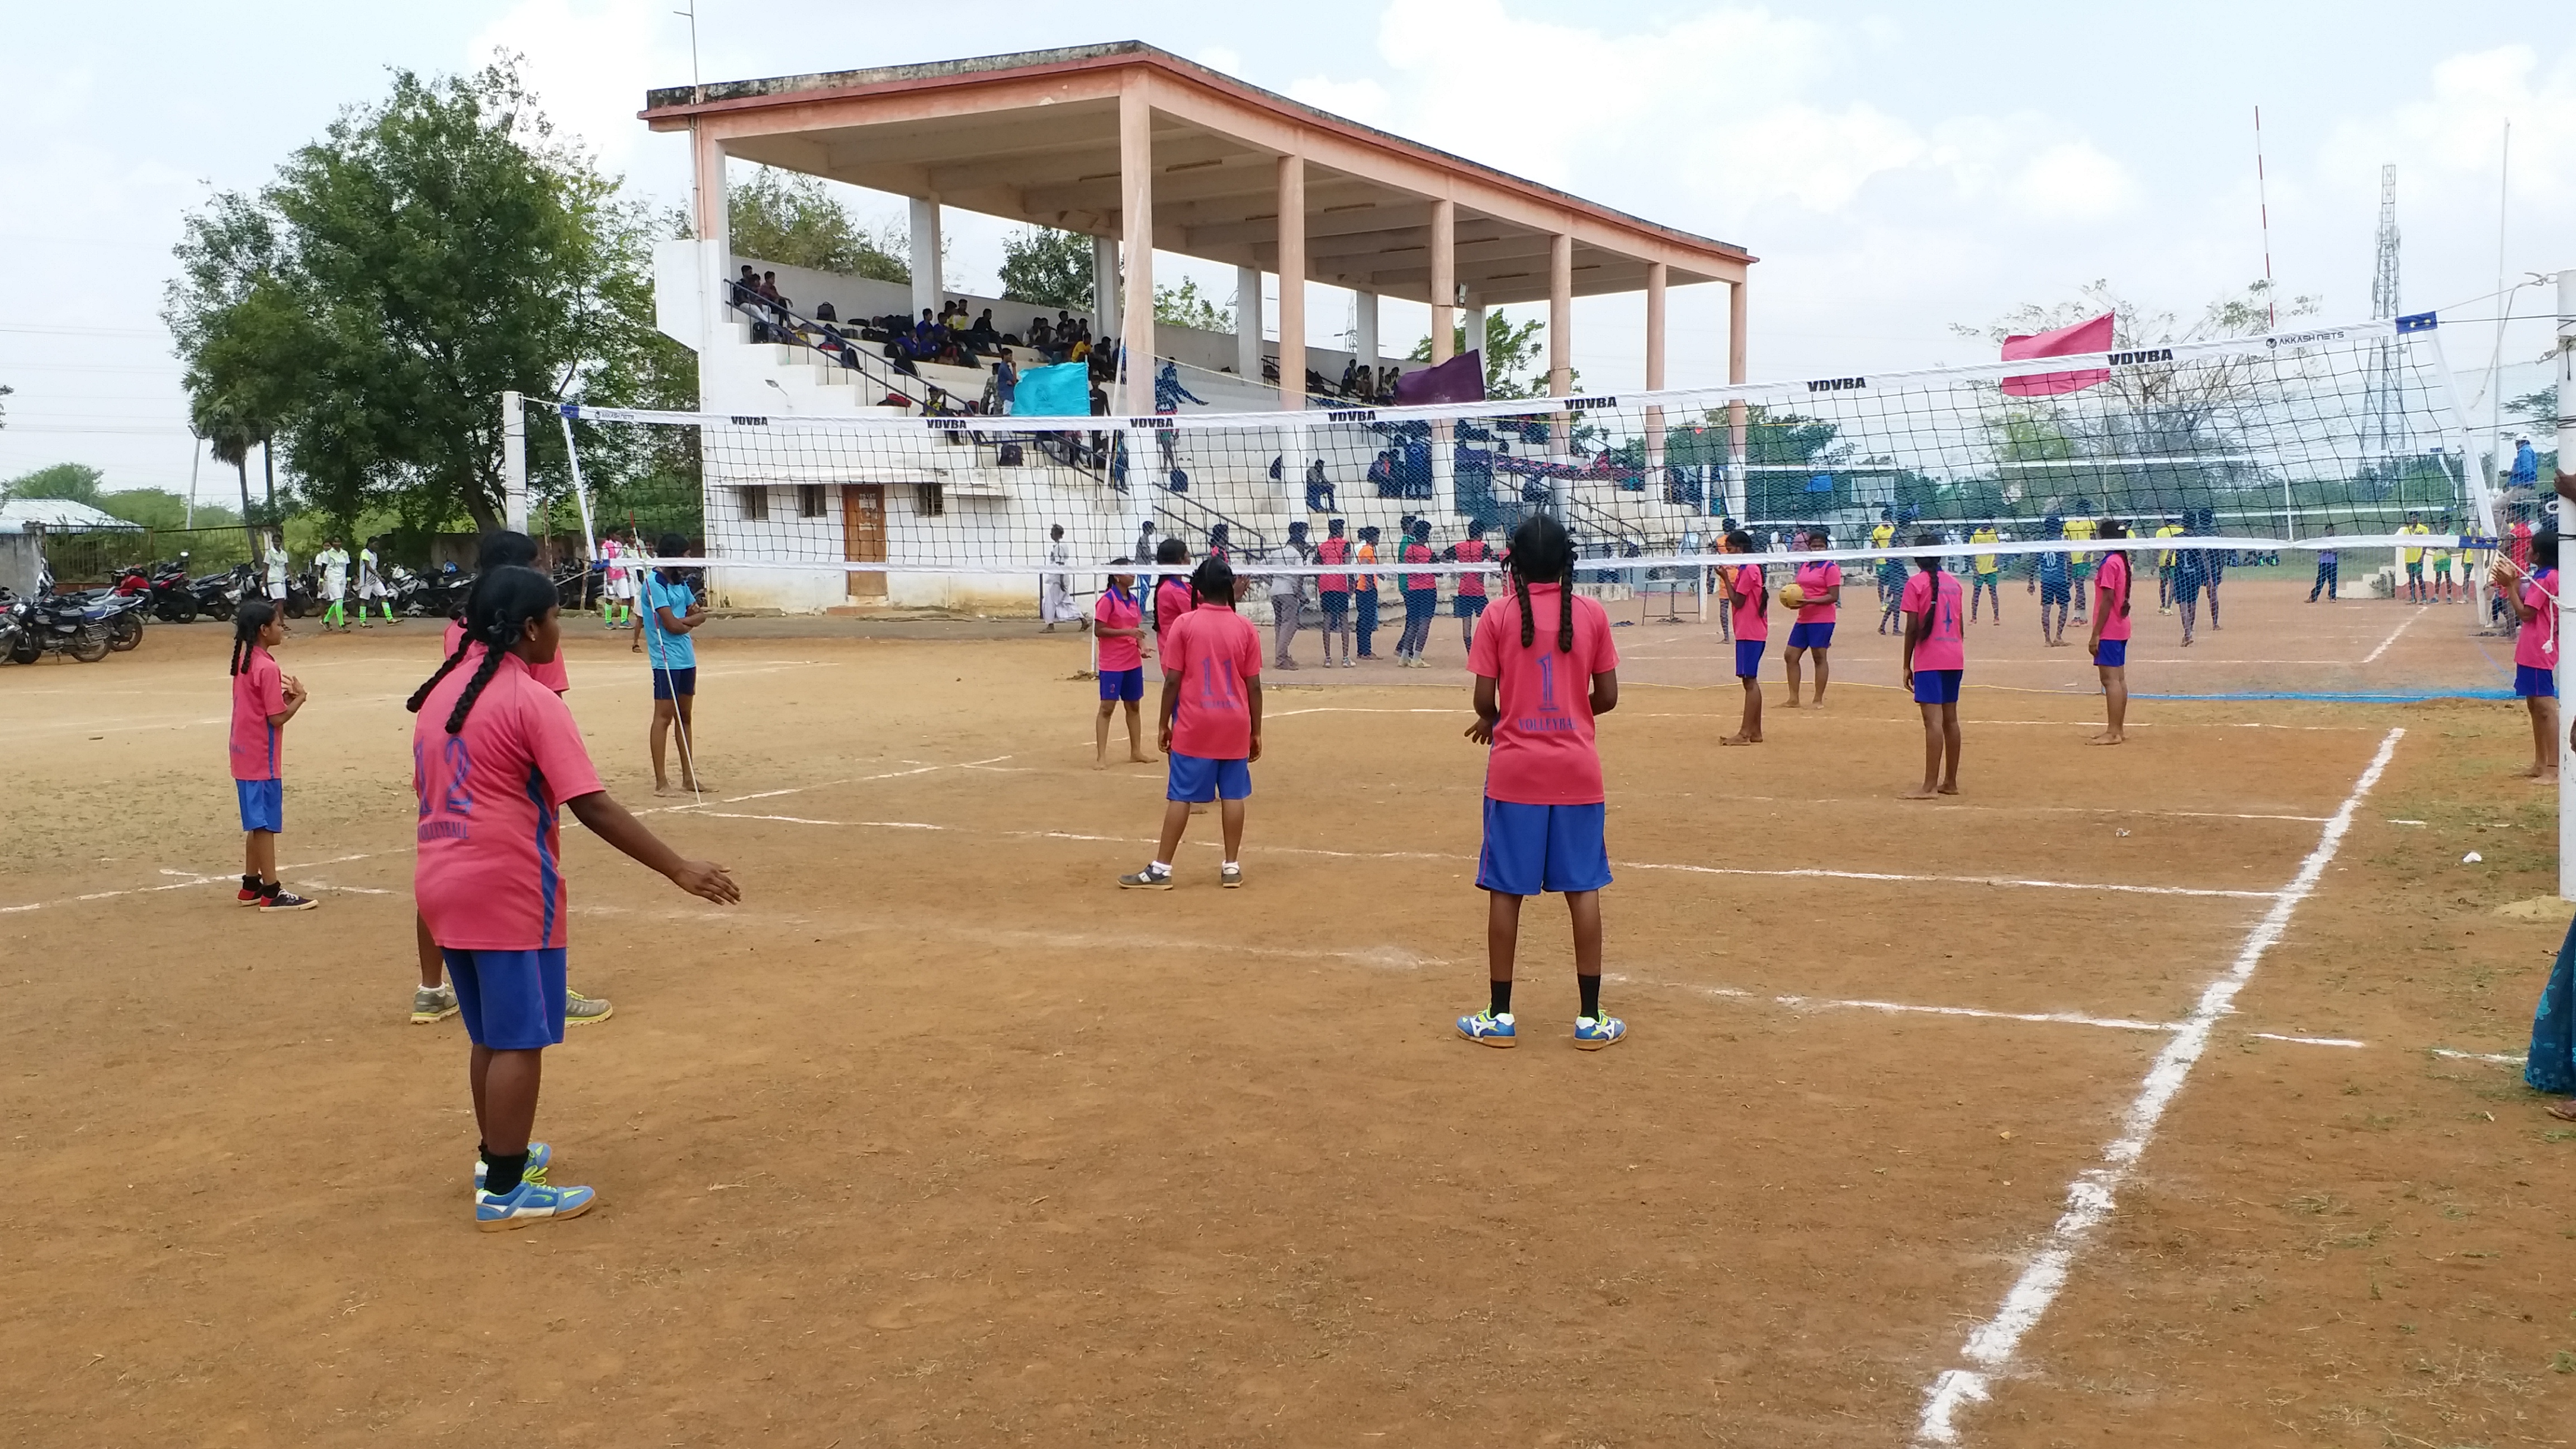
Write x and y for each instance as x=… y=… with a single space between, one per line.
x=2074 y=182
x=584 y=59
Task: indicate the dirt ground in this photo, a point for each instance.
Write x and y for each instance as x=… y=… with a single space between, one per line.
x=938 y=1138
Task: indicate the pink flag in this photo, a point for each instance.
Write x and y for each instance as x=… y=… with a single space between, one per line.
x=2093 y=336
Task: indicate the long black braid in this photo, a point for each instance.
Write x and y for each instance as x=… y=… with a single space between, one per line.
x=248 y=620
x=498 y=611
x=1541 y=551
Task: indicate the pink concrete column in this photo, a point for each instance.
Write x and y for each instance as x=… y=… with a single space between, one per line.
x=1735 y=417
x=1292 y=282
x=1657 y=277
x=1444 y=280
x=1735 y=332
x=1560 y=315
x=1560 y=336
x=707 y=198
x=1136 y=229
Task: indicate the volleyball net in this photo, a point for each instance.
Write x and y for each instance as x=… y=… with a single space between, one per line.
x=2228 y=451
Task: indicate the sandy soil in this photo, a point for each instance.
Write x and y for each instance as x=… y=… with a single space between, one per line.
x=939 y=1139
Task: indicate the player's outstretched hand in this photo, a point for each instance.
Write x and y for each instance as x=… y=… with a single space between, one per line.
x=1481 y=731
x=706 y=880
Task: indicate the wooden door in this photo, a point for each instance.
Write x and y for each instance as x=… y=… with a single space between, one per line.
x=863 y=536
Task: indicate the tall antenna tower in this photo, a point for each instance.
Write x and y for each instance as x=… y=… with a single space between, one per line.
x=2383 y=412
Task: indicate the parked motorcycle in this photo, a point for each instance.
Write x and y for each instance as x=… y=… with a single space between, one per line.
x=56 y=625
x=165 y=590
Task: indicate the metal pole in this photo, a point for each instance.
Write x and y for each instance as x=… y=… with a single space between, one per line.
x=2565 y=485
x=514 y=464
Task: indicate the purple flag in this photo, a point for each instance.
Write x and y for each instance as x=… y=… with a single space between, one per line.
x=1459 y=380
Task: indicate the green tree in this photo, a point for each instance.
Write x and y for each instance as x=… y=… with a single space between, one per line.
x=789 y=218
x=366 y=308
x=1186 y=306
x=1514 y=355
x=76 y=482
x=1049 y=268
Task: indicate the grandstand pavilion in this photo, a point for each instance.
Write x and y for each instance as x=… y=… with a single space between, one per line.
x=1120 y=142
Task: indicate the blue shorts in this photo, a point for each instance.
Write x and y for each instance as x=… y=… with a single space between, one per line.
x=512 y=1001
x=263 y=804
x=675 y=683
x=1748 y=657
x=1199 y=780
x=1467 y=606
x=1937 y=686
x=1535 y=848
x=2111 y=653
x=1337 y=606
x=1818 y=635
x=1420 y=604
x=2530 y=681
x=2056 y=593
x=1126 y=684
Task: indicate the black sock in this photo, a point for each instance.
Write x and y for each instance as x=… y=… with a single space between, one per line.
x=268 y=888
x=502 y=1171
x=1502 y=999
x=250 y=882
x=1591 y=995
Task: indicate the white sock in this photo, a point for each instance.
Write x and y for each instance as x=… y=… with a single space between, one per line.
x=1160 y=867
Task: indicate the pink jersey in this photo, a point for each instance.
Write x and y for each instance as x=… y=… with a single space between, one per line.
x=550 y=674
x=1943 y=646
x=1119 y=611
x=1419 y=553
x=258 y=692
x=2535 y=645
x=488 y=875
x=1472 y=550
x=2113 y=583
x=1216 y=651
x=1752 y=602
x=1543 y=752
x=1815 y=579
x=1333 y=551
x=1171 y=605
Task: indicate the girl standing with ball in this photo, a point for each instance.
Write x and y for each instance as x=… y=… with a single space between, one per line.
x=1820 y=587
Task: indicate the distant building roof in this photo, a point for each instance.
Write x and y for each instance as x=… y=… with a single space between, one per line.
x=61 y=513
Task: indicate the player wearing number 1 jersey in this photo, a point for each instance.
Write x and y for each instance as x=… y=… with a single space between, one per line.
x=1936 y=655
x=1545 y=667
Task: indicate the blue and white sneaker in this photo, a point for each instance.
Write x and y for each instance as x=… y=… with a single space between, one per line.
x=1591 y=1034
x=1489 y=1030
x=533 y=1201
x=539 y=1154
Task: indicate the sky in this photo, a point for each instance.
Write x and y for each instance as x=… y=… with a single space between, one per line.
x=1901 y=170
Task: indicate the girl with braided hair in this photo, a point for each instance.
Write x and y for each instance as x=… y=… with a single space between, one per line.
x=495 y=759
x=264 y=699
x=434 y=1000
x=1545 y=668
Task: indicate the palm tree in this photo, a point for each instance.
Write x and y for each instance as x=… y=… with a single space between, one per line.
x=230 y=437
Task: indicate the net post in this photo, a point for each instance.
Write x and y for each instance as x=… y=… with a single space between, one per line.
x=2564 y=484
x=514 y=464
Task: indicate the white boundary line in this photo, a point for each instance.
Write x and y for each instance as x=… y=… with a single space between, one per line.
x=2403 y=625
x=1990 y=1347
